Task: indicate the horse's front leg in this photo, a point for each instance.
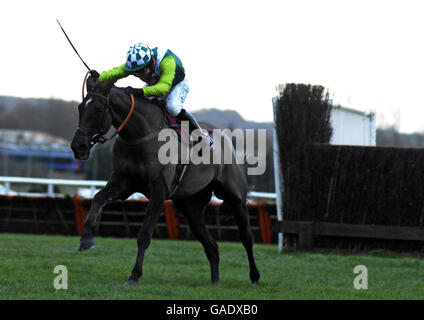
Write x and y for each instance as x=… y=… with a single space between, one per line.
x=112 y=192
x=144 y=237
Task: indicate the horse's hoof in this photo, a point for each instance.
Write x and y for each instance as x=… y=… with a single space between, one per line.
x=131 y=282
x=254 y=277
x=86 y=244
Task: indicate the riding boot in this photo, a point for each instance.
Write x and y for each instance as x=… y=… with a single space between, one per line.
x=193 y=124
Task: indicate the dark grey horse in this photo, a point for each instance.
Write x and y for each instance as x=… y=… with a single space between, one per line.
x=136 y=168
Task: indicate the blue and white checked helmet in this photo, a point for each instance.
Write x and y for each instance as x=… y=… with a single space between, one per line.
x=138 y=56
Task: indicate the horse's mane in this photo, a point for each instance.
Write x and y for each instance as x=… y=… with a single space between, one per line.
x=156 y=102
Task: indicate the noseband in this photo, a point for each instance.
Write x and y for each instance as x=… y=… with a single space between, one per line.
x=100 y=137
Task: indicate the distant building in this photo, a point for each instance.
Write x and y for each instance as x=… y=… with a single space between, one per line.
x=32 y=153
x=353 y=127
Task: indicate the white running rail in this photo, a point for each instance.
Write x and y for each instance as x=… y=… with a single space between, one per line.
x=50 y=183
x=92 y=184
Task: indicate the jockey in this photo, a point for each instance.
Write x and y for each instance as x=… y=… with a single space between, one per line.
x=164 y=75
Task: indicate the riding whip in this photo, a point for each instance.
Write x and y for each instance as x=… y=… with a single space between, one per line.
x=72 y=45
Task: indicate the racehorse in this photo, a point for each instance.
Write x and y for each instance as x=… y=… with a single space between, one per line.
x=136 y=168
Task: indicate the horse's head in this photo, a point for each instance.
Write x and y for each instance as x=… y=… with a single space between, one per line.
x=94 y=118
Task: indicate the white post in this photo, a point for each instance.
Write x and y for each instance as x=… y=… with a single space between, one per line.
x=373 y=130
x=92 y=190
x=50 y=189
x=278 y=178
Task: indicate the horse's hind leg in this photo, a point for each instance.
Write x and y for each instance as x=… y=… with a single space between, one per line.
x=241 y=215
x=193 y=209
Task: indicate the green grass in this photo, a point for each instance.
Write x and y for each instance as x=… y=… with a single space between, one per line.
x=179 y=270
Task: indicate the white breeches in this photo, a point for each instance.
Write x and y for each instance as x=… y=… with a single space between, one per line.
x=176 y=97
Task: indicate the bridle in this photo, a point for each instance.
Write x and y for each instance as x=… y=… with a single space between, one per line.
x=100 y=137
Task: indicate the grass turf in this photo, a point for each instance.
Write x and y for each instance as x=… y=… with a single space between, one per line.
x=178 y=270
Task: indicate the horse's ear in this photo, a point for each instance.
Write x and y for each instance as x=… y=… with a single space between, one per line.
x=91 y=83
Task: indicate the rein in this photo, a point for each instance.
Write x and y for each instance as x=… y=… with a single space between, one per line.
x=101 y=137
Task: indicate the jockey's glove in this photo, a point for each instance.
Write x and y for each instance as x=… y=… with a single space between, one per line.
x=135 y=92
x=94 y=74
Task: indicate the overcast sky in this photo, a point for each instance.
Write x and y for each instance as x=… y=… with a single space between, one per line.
x=369 y=54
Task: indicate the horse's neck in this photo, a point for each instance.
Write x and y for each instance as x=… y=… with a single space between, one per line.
x=145 y=119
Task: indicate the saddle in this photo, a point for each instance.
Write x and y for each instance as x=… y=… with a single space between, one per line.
x=174 y=123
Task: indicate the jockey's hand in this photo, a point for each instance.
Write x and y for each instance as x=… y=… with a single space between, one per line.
x=94 y=74
x=135 y=92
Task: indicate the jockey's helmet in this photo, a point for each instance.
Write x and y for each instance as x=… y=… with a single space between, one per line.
x=138 y=56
